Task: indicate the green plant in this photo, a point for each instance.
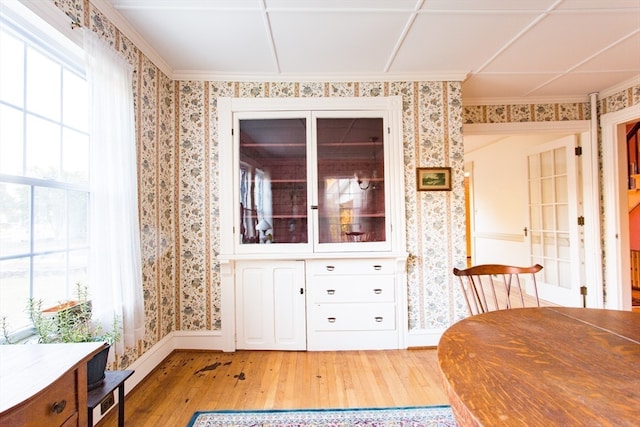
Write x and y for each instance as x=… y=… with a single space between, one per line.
x=71 y=323
x=5 y=331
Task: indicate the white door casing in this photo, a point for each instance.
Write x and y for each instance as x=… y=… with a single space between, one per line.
x=616 y=219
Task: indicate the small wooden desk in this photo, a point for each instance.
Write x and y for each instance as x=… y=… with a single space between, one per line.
x=543 y=366
x=44 y=384
x=112 y=380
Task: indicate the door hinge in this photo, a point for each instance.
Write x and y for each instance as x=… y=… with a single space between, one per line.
x=580 y=220
x=389 y=131
x=231 y=131
x=578 y=151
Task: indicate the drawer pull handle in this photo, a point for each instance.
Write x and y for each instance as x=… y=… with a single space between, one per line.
x=331 y=319
x=330 y=268
x=377 y=267
x=377 y=291
x=58 y=407
x=379 y=319
x=331 y=291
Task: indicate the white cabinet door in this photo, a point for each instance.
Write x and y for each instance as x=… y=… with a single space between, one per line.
x=270 y=305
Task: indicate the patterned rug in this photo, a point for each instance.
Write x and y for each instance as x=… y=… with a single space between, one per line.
x=413 y=416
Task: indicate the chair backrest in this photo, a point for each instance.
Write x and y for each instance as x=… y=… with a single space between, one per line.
x=490 y=287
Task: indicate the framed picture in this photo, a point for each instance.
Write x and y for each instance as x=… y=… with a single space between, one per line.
x=433 y=179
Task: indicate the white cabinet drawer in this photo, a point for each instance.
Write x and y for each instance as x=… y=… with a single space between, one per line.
x=344 y=289
x=350 y=267
x=353 y=317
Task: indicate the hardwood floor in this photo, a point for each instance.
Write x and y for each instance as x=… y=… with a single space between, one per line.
x=188 y=381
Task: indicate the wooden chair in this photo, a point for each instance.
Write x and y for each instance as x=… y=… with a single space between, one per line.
x=489 y=287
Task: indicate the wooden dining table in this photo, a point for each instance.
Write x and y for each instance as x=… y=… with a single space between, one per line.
x=548 y=366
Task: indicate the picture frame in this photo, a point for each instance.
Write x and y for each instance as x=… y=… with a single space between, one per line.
x=433 y=179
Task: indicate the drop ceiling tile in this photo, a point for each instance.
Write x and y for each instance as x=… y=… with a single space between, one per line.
x=598 y=4
x=457 y=41
x=341 y=4
x=328 y=42
x=560 y=41
x=584 y=83
x=488 y=5
x=215 y=41
x=623 y=56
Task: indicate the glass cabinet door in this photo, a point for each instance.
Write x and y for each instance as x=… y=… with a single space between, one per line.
x=273 y=181
x=350 y=186
x=316 y=180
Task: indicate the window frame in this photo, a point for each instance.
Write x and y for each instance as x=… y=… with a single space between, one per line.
x=48 y=40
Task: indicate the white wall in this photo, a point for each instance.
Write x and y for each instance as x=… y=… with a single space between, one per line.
x=499 y=199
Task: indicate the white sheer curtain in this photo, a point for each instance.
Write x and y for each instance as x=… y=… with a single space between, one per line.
x=115 y=276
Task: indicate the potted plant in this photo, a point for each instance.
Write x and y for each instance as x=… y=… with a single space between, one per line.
x=71 y=322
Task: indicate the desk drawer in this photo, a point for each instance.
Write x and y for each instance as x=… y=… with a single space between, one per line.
x=56 y=406
x=346 y=289
x=351 y=267
x=353 y=317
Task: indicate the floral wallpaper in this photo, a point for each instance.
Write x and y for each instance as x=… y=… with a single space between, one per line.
x=178 y=182
x=432 y=137
x=549 y=112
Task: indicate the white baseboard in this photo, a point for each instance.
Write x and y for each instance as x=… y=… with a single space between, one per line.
x=424 y=337
x=197 y=340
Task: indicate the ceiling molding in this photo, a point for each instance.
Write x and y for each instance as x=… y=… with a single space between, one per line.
x=569 y=126
x=212 y=76
x=524 y=100
x=635 y=81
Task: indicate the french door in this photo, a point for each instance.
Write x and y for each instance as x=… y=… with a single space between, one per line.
x=554 y=231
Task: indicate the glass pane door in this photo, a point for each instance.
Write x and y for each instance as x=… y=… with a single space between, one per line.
x=555 y=241
x=350 y=187
x=273 y=181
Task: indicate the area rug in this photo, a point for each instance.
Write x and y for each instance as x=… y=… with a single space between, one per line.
x=411 y=416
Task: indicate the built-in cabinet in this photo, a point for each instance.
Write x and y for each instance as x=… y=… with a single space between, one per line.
x=312 y=223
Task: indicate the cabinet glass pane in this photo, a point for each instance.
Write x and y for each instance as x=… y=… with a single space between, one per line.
x=273 y=181
x=351 y=199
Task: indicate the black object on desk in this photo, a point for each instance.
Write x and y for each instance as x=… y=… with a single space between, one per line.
x=112 y=380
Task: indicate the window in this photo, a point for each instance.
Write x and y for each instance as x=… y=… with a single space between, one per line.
x=44 y=157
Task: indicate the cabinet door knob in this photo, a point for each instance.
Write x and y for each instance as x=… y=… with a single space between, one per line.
x=379 y=319
x=331 y=319
x=377 y=291
x=377 y=267
x=58 y=407
x=330 y=268
x=331 y=291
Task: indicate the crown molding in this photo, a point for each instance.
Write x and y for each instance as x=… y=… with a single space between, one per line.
x=273 y=77
x=524 y=100
x=622 y=86
x=511 y=128
x=634 y=81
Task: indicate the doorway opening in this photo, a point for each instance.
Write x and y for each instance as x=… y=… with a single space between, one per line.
x=506 y=239
x=618 y=234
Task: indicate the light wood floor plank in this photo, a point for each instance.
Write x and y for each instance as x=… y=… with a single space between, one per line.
x=190 y=381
